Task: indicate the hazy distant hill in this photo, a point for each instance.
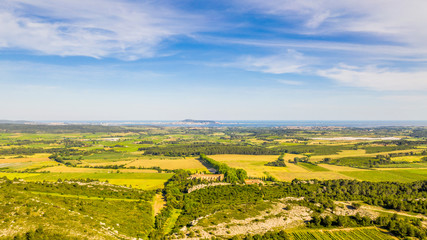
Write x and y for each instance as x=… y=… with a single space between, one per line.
x=15 y=122
x=199 y=121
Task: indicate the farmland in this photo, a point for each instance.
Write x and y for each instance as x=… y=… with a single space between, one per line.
x=138 y=180
x=180 y=163
x=255 y=166
x=94 y=167
x=362 y=233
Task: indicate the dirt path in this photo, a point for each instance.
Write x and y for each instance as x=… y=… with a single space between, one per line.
x=380 y=209
x=158 y=203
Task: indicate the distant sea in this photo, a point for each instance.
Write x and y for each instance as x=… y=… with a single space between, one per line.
x=258 y=123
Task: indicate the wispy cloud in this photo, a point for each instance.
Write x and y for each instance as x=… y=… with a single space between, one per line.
x=389 y=28
x=289 y=62
x=290 y=82
x=405 y=20
x=96 y=28
x=374 y=78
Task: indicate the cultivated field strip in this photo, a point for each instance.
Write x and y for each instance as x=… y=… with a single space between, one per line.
x=347 y=234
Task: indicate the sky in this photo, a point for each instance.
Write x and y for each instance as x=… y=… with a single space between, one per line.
x=220 y=60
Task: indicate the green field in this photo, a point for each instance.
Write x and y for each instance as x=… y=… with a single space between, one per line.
x=389 y=175
x=312 y=167
x=404 y=165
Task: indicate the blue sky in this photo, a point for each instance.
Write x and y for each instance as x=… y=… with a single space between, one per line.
x=230 y=60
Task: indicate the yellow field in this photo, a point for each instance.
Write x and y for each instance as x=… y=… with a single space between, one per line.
x=255 y=167
x=336 y=168
x=65 y=169
x=142 y=180
x=343 y=153
x=358 y=153
x=253 y=164
x=40 y=157
x=146 y=184
x=179 y=163
x=289 y=176
x=138 y=170
x=104 y=163
x=407 y=159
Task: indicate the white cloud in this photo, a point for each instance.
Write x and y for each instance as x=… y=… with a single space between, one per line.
x=289 y=62
x=378 y=78
x=403 y=22
x=95 y=28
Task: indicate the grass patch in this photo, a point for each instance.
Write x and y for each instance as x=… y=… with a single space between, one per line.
x=388 y=175
x=312 y=167
x=403 y=165
x=407 y=159
x=172 y=220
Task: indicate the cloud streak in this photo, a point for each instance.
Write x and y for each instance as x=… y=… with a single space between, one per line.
x=374 y=78
x=289 y=62
x=96 y=28
x=384 y=29
x=406 y=21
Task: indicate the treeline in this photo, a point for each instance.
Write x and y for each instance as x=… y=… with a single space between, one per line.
x=208 y=149
x=378 y=149
x=402 y=227
x=58 y=151
x=399 y=196
x=231 y=175
x=357 y=162
x=314 y=149
x=34 y=128
x=371 y=162
x=280 y=162
x=24 y=151
x=419 y=133
x=399 y=227
x=304 y=159
x=21 y=142
x=339 y=221
x=389 y=145
x=61 y=155
x=122 y=166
